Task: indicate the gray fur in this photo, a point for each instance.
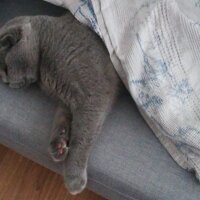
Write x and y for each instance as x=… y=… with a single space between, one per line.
x=69 y=62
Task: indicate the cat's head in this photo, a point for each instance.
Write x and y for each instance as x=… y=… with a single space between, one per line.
x=19 y=53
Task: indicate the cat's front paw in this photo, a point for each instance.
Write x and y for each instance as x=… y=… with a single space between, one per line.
x=58 y=148
x=76 y=183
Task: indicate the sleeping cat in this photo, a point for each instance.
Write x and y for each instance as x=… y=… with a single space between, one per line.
x=70 y=63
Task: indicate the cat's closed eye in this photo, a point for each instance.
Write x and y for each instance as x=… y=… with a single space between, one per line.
x=5 y=43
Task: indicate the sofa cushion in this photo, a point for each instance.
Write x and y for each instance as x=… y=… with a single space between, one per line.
x=127 y=161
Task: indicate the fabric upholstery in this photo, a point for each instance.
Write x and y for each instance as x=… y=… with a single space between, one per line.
x=127 y=161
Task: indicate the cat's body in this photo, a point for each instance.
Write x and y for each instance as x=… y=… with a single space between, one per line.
x=69 y=62
x=74 y=64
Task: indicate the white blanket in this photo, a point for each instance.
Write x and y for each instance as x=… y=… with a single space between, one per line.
x=155 y=47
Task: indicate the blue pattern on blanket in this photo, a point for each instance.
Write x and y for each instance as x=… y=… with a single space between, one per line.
x=154 y=77
x=188 y=130
x=182 y=90
x=197 y=3
x=148 y=100
x=86 y=11
x=155 y=69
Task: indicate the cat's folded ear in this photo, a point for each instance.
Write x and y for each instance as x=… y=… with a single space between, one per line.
x=21 y=43
x=9 y=36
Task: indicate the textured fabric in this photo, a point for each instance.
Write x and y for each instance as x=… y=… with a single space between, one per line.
x=155 y=45
x=127 y=161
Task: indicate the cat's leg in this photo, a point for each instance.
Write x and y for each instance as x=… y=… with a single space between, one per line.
x=86 y=125
x=59 y=141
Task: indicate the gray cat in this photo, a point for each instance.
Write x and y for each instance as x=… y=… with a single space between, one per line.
x=70 y=63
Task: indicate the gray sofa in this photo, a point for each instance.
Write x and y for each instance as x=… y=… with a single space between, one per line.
x=127 y=162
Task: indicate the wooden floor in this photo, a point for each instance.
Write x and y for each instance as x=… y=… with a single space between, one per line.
x=22 y=179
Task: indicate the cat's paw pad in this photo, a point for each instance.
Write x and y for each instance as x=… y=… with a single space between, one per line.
x=59 y=148
x=76 y=184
